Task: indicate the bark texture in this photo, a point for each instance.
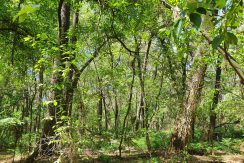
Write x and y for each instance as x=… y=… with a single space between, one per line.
x=215 y=101
x=184 y=122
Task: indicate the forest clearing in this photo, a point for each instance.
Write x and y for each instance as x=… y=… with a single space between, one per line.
x=121 y=81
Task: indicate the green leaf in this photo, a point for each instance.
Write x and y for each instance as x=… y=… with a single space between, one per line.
x=55 y=103
x=220 y=3
x=28 y=38
x=231 y=38
x=201 y=10
x=178 y=28
x=217 y=41
x=64 y=117
x=196 y=19
x=21 y=15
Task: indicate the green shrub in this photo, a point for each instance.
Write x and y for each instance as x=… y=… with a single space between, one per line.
x=160 y=140
x=198 y=134
x=140 y=143
x=104 y=158
x=197 y=148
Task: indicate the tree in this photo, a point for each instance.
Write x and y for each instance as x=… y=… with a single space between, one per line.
x=183 y=125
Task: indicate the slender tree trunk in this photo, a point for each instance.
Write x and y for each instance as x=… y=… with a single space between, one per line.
x=116 y=106
x=183 y=125
x=31 y=112
x=129 y=106
x=116 y=117
x=144 y=108
x=39 y=100
x=215 y=101
x=100 y=102
x=156 y=107
x=140 y=113
x=106 y=116
x=82 y=117
x=100 y=113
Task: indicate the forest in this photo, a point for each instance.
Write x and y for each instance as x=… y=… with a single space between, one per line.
x=121 y=81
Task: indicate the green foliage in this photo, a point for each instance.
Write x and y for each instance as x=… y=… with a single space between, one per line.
x=227 y=145
x=140 y=143
x=178 y=28
x=217 y=41
x=198 y=148
x=220 y=3
x=161 y=39
x=198 y=135
x=10 y=122
x=229 y=131
x=104 y=158
x=160 y=140
x=196 y=19
x=201 y=10
x=22 y=14
x=230 y=39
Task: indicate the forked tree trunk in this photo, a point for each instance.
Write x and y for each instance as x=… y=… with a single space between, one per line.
x=183 y=125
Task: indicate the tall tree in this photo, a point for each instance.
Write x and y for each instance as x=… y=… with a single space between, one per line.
x=183 y=125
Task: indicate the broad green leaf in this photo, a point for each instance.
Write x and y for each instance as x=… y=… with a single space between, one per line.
x=217 y=41
x=196 y=19
x=231 y=38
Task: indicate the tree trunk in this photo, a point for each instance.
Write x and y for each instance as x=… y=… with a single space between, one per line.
x=106 y=115
x=39 y=101
x=183 y=125
x=143 y=108
x=215 y=101
x=56 y=93
x=116 y=117
x=129 y=106
x=100 y=113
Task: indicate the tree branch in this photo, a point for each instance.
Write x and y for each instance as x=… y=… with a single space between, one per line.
x=78 y=72
x=236 y=66
x=228 y=123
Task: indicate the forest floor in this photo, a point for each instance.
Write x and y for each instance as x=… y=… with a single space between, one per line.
x=222 y=156
x=227 y=158
x=138 y=157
